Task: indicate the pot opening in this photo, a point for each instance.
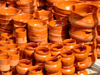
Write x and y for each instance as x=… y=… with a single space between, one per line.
x=43 y=50
x=69 y=41
x=32 y=46
x=52 y=60
x=57 y=46
x=3 y=57
x=67 y=53
x=25 y=62
x=19 y=30
x=37 y=69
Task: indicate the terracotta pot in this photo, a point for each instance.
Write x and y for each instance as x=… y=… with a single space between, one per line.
x=13 y=47
x=23 y=66
x=4 y=62
x=12 y=40
x=85 y=18
x=25 y=1
x=2 y=3
x=41 y=54
x=81 y=65
x=4 y=49
x=35 y=70
x=29 y=49
x=68 y=70
x=21 y=36
x=14 y=58
x=56 y=49
x=6 y=35
x=5 y=21
x=58 y=73
x=45 y=45
x=41 y=3
x=80 y=52
x=53 y=65
x=67 y=58
x=83 y=72
x=87 y=34
x=98 y=50
x=7 y=72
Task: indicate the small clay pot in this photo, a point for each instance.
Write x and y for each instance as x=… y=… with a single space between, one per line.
x=2 y=3
x=7 y=72
x=4 y=62
x=45 y=45
x=67 y=58
x=80 y=52
x=58 y=73
x=4 y=49
x=13 y=47
x=53 y=65
x=83 y=72
x=12 y=40
x=23 y=66
x=68 y=70
x=5 y=21
x=14 y=58
x=6 y=35
x=41 y=54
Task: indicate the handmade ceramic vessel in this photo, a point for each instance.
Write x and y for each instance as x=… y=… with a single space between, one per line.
x=58 y=73
x=9 y=72
x=13 y=47
x=6 y=35
x=83 y=72
x=45 y=45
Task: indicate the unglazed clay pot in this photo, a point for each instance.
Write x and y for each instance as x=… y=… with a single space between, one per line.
x=84 y=16
x=81 y=65
x=68 y=70
x=4 y=49
x=2 y=3
x=53 y=65
x=13 y=47
x=14 y=58
x=45 y=45
x=98 y=50
x=6 y=35
x=4 y=62
x=9 y=72
x=12 y=40
x=30 y=49
x=41 y=54
x=58 y=73
x=35 y=70
x=23 y=66
x=80 y=52
x=67 y=58
x=56 y=49
x=83 y=72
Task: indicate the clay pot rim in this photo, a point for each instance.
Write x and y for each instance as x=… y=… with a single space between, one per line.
x=43 y=44
x=65 y=52
x=61 y=21
x=4 y=48
x=8 y=57
x=13 y=53
x=19 y=3
x=13 y=46
x=9 y=71
x=69 y=41
x=78 y=72
x=18 y=30
x=16 y=26
x=4 y=42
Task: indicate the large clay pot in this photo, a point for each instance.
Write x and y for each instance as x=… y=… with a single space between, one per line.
x=84 y=16
x=83 y=72
x=81 y=53
x=53 y=65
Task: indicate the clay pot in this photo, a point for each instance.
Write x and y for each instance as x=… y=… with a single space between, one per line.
x=4 y=62
x=41 y=54
x=13 y=47
x=4 y=49
x=98 y=50
x=7 y=72
x=84 y=16
x=35 y=70
x=21 y=36
x=5 y=21
x=80 y=52
x=83 y=72
x=24 y=1
x=12 y=40
x=6 y=35
x=67 y=58
x=53 y=65
x=45 y=45
x=2 y=3
x=81 y=65
x=29 y=50
x=68 y=70
x=56 y=49
x=40 y=3
x=58 y=73
x=23 y=66
x=14 y=58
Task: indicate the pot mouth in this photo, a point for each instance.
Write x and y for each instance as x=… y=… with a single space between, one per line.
x=66 y=53
x=57 y=23
x=4 y=42
x=45 y=44
x=3 y=48
x=4 y=57
x=20 y=30
x=5 y=34
x=12 y=46
x=13 y=53
x=31 y=46
x=56 y=47
x=24 y=2
x=35 y=69
x=69 y=41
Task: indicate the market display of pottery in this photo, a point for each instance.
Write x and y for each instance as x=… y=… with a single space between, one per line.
x=49 y=37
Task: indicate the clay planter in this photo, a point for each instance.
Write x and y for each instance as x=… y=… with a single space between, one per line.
x=14 y=58
x=84 y=16
x=7 y=72
x=56 y=49
x=67 y=58
x=2 y=3
x=68 y=70
x=23 y=66
x=83 y=72
x=87 y=34
x=4 y=43
x=21 y=36
x=29 y=50
x=58 y=73
x=35 y=70
x=22 y=19
x=41 y=54
x=4 y=49
x=80 y=52
x=5 y=14
x=81 y=65
x=53 y=65
x=4 y=62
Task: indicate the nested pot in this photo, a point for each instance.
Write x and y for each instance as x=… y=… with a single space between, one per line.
x=83 y=72
x=4 y=62
x=81 y=53
x=84 y=16
x=58 y=73
x=13 y=47
x=41 y=54
x=53 y=65
x=23 y=66
x=9 y=72
x=2 y=3
x=67 y=58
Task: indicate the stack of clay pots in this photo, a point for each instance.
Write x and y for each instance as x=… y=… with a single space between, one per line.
x=11 y=3
x=57 y=31
x=37 y=31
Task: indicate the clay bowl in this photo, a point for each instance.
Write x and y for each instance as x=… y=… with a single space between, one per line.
x=8 y=12
x=64 y=7
x=2 y=3
x=22 y=18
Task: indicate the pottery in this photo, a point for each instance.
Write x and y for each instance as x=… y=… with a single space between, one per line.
x=23 y=66
x=5 y=21
x=30 y=49
x=41 y=54
x=12 y=40
x=4 y=62
x=84 y=16
x=58 y=73
x=9 y=72
x=67 y=58
x=2 y=3
x=45 y=45
x=98 y=50
x=83 y=72
x=68 y=70
x=40 y=3
x=24 y=1
x=4 y=49
x=13 y=47
x=80 y=52
x=53 y=65
x=6 y=35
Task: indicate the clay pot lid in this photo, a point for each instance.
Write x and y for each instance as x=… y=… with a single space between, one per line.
x=36 y=23
x=23 y=17
x=23 y=1
x=57 y=23
x=65 y=5
x=20 y=30
x=9 y=11
x=84 y=9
